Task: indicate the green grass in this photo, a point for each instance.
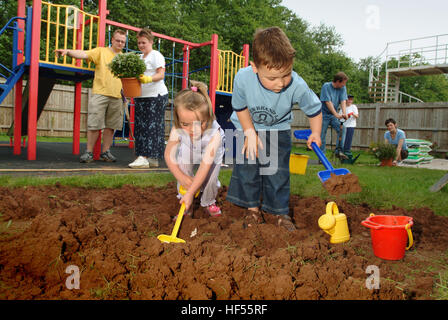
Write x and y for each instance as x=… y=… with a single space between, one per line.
x=364 y=158
x=442 y=286
x=92 y=181
x=382 y=187
x=4 y=138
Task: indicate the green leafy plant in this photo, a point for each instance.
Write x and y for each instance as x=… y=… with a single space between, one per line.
x=383 y=151
x=127 y=65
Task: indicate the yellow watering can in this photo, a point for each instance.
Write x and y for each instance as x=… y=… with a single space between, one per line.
x=173 y=236
x=335 y=224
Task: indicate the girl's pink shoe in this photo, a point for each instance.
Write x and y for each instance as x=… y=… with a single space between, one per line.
x=214 y=210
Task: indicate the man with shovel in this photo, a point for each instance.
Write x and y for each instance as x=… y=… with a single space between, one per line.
x=332 y=95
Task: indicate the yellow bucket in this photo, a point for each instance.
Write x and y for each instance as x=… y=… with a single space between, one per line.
x=297 y=163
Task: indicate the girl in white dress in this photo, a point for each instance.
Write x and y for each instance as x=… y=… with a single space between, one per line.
x=196 y=140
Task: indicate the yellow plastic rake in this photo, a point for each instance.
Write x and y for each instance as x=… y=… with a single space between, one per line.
x=173 y=236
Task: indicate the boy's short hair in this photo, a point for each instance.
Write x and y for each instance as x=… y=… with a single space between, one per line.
x=339 y=77
x=272 y=48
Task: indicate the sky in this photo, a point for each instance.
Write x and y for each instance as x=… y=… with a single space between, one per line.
x=366 y=26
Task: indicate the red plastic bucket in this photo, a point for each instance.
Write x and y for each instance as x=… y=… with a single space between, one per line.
x=390 y=235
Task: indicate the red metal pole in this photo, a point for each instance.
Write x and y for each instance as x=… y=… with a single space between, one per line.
x=246 y=54
x=18 y=116
x=34 y=80
x=21 y=10
x=77 y=118
x=192 y=45
x=78 y=91
x=102 y=13
x=185 y=66
x=214 y=69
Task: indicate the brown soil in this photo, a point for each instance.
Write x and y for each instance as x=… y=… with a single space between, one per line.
x=111 y=235
x=338 y=185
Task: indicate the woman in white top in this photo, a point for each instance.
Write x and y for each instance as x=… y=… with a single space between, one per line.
x=149 y=129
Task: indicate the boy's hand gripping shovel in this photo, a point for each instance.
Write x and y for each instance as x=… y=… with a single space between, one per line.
x=323 y=175
x=173 y=236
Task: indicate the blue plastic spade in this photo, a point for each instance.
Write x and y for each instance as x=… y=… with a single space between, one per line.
x=323 y=175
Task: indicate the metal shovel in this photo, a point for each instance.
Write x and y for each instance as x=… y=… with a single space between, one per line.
x=173 y=236
x=323 y=175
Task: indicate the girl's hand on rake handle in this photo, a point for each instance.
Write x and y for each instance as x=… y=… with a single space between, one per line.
x=187 y=199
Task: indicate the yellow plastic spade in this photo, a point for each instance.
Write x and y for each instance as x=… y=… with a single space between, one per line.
x=173 y=236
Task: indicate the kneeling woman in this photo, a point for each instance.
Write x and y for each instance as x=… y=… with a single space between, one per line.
x=397 y=137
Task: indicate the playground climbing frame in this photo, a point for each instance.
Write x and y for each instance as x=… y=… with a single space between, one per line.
x=62 y=26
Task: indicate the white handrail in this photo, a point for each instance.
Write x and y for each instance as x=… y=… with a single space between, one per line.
x=429 y=53
x=421 y=38
x=401 y=94
x=433 y=52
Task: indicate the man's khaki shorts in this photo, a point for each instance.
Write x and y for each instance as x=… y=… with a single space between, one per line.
x=105 y=112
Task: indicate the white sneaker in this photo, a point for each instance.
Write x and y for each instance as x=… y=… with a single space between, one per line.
x=140 y=162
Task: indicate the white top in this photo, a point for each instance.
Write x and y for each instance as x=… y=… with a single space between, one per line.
x=189 y=152
x=153 y=61
x=351 y=121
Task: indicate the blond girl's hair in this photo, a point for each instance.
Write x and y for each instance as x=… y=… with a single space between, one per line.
x=196 y=99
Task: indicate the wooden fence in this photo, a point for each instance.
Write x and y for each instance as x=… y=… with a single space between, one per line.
x=427 y=121
x=56 y=119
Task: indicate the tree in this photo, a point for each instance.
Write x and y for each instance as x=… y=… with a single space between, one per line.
x=318 y=49
x=327 y=38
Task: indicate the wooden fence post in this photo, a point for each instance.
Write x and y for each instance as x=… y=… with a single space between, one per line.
x=377 y=122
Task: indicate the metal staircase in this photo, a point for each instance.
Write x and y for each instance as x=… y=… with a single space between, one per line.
x=407 y=58
x=379 y=93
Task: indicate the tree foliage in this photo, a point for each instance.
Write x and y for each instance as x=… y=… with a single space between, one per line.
x=318 y=49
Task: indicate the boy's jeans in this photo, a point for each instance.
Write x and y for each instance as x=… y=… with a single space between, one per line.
x=248 y=188
x=349 y=131
x=344 y=138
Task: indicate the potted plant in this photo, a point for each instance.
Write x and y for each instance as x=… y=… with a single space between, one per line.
x=385 y=152
x=128 y=67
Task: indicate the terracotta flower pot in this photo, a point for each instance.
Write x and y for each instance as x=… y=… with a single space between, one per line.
x=387 y=162
x=131 y=87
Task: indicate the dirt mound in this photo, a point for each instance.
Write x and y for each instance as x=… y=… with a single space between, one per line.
x=337 y=185
x=111 y=236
